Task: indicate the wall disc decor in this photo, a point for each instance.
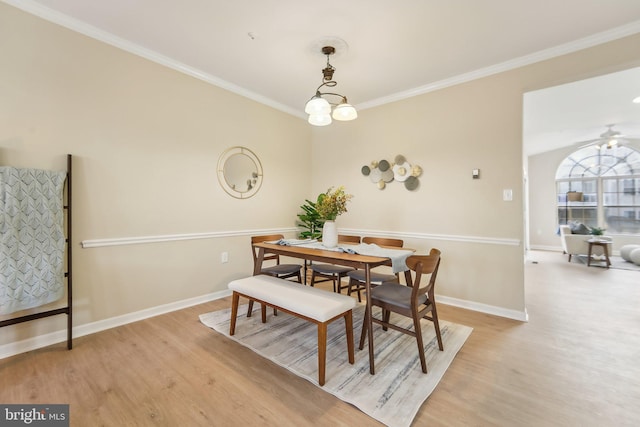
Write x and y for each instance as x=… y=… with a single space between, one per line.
x=382 y=172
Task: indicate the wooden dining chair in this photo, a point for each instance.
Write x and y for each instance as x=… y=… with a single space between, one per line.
x=357 y=277
x=415 y=300
x=282 y=271
x=331 y=272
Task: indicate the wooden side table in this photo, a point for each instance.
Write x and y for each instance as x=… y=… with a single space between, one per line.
x=604 y=244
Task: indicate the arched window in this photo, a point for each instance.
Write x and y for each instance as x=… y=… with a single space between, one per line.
x=600 y=186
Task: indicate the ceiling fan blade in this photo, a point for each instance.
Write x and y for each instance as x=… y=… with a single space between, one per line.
x=606 y=137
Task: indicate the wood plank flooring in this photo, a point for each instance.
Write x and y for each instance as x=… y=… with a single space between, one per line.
x=575 y=363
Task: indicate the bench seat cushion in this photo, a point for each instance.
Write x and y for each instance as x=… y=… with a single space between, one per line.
x=314 y=303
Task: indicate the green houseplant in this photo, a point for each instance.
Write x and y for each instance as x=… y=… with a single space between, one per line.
x=597 y=231
x=310 y=222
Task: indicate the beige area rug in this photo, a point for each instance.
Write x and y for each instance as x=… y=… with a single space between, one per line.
x=392 y=396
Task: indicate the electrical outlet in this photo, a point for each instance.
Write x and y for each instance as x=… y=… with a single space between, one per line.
x=224 y=257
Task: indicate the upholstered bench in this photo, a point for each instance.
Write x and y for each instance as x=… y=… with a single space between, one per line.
x=311 y=304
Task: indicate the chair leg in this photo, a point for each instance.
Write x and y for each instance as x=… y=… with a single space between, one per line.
x=340 y=287
x=386 y=315
x=348 y=324
x=434 y=318
x=350 y=289
x=250 y=308
x=418 y=331
x=312 y=283
x=364 y=330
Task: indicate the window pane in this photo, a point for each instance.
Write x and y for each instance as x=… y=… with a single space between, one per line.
x=611 y=176
x=622 y=220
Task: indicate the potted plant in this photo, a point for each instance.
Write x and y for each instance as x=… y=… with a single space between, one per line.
x=310 y=221
x=597 y=231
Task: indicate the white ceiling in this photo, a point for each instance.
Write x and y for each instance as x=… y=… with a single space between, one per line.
x=269 y=50
x=569 y=114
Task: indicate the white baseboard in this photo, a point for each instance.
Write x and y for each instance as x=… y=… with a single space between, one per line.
x=40 y=341
x=546 y=248
x=522 y=316
x=45 y=340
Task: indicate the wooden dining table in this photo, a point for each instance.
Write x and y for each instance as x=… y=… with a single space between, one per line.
x=358 y=261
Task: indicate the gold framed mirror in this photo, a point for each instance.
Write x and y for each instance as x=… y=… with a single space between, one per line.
x=240 y=172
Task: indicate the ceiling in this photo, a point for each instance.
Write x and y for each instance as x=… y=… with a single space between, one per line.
x=269 y=50
x=572 y=113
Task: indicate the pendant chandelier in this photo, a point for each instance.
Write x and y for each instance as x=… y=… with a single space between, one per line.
x=319 y=109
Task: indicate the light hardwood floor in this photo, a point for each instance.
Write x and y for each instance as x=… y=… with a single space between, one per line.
x=575 y=363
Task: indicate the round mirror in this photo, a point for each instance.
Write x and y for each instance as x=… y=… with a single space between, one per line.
x=240 y=172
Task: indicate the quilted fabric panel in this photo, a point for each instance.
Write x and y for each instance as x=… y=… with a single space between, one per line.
x=32 y=238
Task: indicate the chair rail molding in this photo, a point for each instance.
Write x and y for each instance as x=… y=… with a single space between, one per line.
x=442 y=237
x=121 y=241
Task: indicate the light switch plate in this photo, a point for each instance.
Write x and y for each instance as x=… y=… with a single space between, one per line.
x=507 y=195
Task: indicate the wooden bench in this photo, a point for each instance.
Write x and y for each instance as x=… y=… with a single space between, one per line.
x=311 y=304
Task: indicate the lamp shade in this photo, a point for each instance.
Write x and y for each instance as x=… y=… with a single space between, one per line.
x=317 y=105
x=320 y=119
x=345 y=112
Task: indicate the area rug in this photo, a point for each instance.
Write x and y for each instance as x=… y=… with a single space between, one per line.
x=616 y=262
x=392 y=396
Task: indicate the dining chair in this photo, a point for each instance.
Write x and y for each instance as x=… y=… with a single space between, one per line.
x=415 y=300
x=357 y=277
x=332 y=272
x=282 y=271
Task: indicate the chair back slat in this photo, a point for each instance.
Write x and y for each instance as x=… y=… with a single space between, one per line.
x=265 y=238
x=383 y=241
x=423 y=265
x=343 y=238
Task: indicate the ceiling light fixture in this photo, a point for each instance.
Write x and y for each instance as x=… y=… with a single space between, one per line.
x=319 y=108
x=636 y=100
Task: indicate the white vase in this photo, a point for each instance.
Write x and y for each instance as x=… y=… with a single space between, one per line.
x=329 y=234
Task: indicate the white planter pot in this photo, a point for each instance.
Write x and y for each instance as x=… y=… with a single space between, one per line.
x=329 y=234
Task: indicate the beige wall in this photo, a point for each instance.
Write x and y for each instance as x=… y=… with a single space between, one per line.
x=450 y=132
x=147 y=139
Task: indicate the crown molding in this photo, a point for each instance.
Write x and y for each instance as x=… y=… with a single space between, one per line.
x=564 y=49
x=106 y=37
x=76 y=25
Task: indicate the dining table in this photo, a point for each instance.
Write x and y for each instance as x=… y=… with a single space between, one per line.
x=348 y=255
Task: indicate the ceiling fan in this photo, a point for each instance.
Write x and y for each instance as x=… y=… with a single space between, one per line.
x=608 y=139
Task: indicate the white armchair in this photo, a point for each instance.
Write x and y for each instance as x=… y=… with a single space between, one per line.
x=576 y=244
